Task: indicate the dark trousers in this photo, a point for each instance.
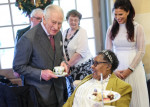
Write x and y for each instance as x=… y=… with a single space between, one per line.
x=54 y=99
x=52 y=105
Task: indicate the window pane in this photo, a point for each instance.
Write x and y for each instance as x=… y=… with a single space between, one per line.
x=55 y=2
x=18 y=28
x=6 y=58
x=91 y=43
x=18 y=16
x=67 y=5
x=86 y=9
x=5 y=15
x=3 y=1
x=89 y=28
x=12 y=1
x=6 y=37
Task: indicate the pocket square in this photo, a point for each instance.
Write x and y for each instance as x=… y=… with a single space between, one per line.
x=61 y=43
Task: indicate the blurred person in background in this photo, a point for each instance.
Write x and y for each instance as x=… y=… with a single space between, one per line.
x=35 y=18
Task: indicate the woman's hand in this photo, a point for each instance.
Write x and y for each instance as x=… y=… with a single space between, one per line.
x=65 y=66
x=126 y=73
x=119 y=74
x=123 y=74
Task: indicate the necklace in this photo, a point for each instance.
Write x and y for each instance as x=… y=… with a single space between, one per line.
x=71 y=33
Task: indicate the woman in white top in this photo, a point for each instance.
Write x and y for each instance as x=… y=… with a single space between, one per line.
x=126 y=38
x=76 y=50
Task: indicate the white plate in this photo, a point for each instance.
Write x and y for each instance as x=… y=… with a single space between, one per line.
x=106 y=92
x=62 y=75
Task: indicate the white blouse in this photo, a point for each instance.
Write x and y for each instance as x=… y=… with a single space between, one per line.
x=138 y=44
x=81 y=96
x=78 y=44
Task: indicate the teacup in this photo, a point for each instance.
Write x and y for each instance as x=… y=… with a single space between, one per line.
x=59 y=70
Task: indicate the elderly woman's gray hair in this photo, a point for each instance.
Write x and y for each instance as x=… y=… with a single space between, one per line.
x=74 y=13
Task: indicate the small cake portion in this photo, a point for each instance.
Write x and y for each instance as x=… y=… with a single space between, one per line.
x=106 y=97
x=110 y=95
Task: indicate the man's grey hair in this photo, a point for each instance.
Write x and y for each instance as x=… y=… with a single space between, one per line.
x=36 y=11
x=52 y=8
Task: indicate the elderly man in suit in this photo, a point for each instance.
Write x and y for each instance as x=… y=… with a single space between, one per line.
x=35 y=58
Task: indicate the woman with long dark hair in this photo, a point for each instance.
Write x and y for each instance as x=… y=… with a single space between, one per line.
x=126 y=38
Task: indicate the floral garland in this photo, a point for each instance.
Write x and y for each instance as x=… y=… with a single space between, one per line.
x=28 y=5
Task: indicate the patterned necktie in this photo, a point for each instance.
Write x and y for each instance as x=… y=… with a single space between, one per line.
x=52 y=42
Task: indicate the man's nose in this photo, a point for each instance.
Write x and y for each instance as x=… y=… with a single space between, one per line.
x=56 y=26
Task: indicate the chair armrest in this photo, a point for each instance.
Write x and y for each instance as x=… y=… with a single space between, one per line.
x=76 y=83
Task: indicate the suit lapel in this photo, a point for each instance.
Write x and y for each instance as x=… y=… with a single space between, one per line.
x=56 y=44
x=57 y=49
x=45 y=43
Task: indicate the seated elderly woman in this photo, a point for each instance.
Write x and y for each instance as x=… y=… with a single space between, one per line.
x=105 y=62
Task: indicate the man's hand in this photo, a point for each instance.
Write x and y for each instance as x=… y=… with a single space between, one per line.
x=47 y=75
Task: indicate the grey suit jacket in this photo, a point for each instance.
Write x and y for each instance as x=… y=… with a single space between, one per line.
x=34 y=53
x=20 y=32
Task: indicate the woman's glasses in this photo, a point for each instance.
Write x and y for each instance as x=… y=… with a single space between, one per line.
x=95 y=63
x=74 y=20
